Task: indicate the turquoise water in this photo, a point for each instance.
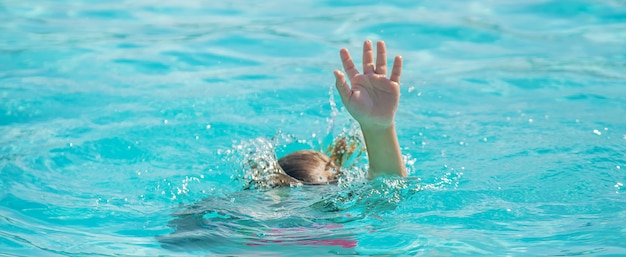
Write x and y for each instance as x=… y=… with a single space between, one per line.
x=120 y=120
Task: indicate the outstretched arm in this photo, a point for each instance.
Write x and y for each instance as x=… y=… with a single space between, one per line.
x=372 y=100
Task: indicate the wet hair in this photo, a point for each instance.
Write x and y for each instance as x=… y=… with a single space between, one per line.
x=305 y=167
x=309 y=167
x=313 y=167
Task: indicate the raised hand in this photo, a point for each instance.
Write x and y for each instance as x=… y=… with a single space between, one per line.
x=371 y=98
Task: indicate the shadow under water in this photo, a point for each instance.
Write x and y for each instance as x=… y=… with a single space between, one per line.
x=249 y=220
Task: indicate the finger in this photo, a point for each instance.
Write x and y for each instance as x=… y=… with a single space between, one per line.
x=381 y=58
x=396 y=71
x=368 y=57
x=348 y=64
x=342 y=86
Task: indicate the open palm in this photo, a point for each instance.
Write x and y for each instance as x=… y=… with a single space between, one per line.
x=372 y=98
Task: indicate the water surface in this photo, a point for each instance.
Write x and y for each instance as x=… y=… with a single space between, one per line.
x=117 y=117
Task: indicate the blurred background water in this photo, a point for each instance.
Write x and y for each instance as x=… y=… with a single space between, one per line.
x=119 y=117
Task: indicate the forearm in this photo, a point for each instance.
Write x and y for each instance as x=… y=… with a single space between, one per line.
x=383 y=151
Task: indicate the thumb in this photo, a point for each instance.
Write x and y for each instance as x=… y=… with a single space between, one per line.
x=342 y=86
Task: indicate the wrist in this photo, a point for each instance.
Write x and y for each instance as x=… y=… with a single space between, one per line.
x=383 y=150
x=377 y=127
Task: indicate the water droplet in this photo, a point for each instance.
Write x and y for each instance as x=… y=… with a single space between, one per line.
x=411 y=88
x=530 y=120
x=597 y=132
x=165 y=121
x=208 y=126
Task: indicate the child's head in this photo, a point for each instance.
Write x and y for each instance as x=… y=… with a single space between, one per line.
x=304 y=167
x=309 y=167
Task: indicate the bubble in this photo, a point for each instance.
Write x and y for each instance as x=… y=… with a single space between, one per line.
x=597 y=132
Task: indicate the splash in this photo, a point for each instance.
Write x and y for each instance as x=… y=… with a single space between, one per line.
x=255 y=162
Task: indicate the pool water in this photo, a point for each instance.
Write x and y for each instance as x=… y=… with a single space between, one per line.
x=126 y=126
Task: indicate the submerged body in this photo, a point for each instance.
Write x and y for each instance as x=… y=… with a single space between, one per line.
x=251 y=220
